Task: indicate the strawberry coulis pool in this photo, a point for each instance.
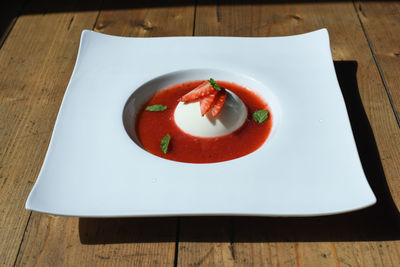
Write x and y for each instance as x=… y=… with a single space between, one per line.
x=152 y=126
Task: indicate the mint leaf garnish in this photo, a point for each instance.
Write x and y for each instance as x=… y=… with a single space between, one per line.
x=156 y=108
x=260 y=115
x=214 y=84
x=164 y=143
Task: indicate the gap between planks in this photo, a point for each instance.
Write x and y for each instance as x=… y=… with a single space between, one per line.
x=98 y=15
x=178 y=221
x=178 y=231
x=22 y=239
x=389 y=95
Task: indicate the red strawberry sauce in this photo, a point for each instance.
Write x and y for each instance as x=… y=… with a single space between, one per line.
x=152 y=126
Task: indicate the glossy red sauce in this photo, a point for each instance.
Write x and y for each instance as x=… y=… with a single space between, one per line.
x=152 y=126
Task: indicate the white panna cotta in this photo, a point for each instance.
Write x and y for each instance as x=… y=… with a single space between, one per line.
x=233 y=114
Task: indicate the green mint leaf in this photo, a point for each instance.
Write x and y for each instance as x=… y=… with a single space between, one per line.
x=260 y=115
x=214 y=84
x=156 y=108
x=164 y=143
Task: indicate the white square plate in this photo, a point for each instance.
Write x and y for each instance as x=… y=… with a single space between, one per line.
x=308 y=166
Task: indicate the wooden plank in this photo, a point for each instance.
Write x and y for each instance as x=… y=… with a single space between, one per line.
x=142 y=21
x=36 y=61
x=61 y=241
x=324 y=241
x=381 y=21
x=55 y=241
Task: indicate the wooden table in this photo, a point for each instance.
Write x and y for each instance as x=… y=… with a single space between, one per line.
x=39 y=48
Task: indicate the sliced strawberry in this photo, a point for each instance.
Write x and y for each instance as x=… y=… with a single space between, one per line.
x=206 y=102
x=218 y=103
x=203 y=89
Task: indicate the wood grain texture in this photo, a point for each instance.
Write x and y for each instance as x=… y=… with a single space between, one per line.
x=36 y=62
x=59 y=241
x=145 y=20
x=205 y=241
x=381 y=20
x=315 y=241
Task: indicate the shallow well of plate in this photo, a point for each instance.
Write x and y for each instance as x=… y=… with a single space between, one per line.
x=142 y=94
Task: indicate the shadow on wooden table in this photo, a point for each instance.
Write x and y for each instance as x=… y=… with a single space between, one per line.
x=379 y=222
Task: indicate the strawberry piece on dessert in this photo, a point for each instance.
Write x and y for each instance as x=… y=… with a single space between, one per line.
x=218 y=103
x=200 y=91
x=206 y=102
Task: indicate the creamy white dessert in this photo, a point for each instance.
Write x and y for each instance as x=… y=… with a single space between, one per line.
x=233 y=114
